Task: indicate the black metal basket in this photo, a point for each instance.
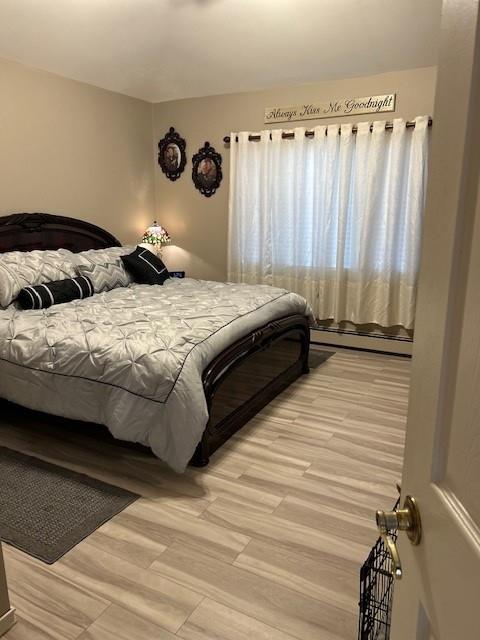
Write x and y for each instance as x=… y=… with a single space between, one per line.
x=376 y=593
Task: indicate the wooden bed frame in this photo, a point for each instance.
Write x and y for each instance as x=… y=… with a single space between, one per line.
x=239 y=382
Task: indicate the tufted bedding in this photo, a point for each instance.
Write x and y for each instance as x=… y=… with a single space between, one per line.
x=132 y=358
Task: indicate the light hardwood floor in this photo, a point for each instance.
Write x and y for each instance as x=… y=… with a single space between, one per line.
x=265 y=543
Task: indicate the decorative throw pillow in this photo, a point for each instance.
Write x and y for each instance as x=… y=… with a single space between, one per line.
x=105 y=277
x=111 y=255
x=145 y=267
x=19 y=269
x=43 y=296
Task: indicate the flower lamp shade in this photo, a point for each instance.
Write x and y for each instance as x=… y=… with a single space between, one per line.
x=157 y=237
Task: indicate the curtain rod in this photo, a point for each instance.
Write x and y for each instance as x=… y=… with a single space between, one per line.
x=310 y=134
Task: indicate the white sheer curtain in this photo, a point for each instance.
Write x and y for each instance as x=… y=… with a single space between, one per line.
x=336 y=218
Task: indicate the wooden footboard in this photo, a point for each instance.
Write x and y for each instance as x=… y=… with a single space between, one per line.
x=248 y=375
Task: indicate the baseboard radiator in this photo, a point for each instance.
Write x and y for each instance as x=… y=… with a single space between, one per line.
x=395 y=341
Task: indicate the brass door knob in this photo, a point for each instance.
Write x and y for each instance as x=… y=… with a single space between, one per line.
x=406 y=519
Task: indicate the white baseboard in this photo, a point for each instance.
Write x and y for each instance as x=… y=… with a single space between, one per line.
x=7 y=621
x=352 y=341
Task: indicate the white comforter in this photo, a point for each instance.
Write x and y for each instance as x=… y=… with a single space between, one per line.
x=132 y=358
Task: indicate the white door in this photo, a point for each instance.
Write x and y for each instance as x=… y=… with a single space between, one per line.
x=439 y=594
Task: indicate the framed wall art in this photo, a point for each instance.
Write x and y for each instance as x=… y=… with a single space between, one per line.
x=207 y=170
x=172 y=156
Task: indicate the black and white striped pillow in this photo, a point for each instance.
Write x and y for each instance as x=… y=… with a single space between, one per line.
x=42 y=296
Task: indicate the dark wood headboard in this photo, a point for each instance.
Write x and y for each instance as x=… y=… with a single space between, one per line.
x=28 y=231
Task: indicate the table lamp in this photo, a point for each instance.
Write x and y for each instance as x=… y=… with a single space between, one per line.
x=156 y=236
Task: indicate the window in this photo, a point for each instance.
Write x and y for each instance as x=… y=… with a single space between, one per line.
x=335 y=217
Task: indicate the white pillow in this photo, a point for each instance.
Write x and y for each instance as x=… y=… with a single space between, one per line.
x=105 y=277
x=19 y=269
x=111 y=255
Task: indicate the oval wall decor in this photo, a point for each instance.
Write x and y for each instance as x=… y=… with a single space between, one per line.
x=172 y=157
x=207 y=170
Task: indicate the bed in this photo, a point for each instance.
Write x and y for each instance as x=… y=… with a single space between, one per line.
x=178 y=368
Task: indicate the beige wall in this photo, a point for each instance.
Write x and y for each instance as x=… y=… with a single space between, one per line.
x=71 y=148
x=198 y=225
x=67 y=147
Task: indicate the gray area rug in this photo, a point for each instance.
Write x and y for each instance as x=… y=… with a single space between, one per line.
x=45 y=510
x=316 y=358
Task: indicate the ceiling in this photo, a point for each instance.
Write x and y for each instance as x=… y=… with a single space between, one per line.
x=169 y=49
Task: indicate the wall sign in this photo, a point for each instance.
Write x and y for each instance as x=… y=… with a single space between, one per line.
x=332 y=108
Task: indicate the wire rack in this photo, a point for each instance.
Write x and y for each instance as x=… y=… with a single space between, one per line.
x=376 y=593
